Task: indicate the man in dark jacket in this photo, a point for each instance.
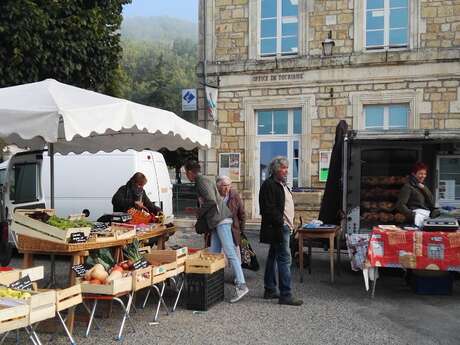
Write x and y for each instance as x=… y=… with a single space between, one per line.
x=277 y=211
x=132 y=195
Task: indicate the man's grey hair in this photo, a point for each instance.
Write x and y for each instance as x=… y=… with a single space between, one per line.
x=223 y=180
x=276 y=164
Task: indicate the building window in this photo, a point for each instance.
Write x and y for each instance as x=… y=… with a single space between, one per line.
x=279 y=134
x=386 y=117
x=387 y=24
x=279 y=27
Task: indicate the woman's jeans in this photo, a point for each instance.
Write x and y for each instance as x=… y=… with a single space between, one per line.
x=279 y=254
x=222 y=238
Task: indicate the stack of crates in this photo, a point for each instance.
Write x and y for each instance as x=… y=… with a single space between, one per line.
x=205 y=280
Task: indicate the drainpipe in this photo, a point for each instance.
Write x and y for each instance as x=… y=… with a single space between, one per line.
x=205 y=76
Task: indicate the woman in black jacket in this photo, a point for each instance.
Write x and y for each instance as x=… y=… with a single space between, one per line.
x=132 y=195
x=415 y=198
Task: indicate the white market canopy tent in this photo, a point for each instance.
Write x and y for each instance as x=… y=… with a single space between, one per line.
x=78 y=120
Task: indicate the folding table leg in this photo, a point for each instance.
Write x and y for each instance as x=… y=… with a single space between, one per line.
x=33 y=335
x=179 y=289
x=91 y=318
x=146 y=298
x=4 y=338
x=89 y=312
x=72 y=341
x=160 y=300
x=126 y=314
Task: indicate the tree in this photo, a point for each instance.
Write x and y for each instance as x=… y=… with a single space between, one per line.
x=73 y=41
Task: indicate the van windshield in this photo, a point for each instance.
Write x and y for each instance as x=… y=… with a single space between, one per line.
x=24 y=187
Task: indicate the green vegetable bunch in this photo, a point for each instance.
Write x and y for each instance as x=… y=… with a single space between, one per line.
x=64 y=224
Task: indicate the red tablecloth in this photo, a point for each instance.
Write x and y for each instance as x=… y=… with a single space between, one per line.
x=414 y=249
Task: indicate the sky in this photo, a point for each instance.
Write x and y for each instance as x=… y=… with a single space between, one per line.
x=183 y=9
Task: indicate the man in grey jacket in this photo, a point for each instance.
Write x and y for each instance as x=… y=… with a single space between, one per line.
x=214 y=213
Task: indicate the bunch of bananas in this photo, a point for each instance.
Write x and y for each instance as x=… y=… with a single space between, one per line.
x=10 y=293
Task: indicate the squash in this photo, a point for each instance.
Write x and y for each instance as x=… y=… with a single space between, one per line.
x=100 y=275
x=113 y=276
x=88 y=273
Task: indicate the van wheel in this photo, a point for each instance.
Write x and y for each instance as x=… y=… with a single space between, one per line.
x=6 y=252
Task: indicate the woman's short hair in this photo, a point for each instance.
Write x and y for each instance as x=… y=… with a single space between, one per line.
x=419 y=166
x=223 y=180
x=192 y=165
x=276 y=164
x=138 y=178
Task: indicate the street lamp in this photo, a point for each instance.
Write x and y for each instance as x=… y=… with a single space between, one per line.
x=328 y=44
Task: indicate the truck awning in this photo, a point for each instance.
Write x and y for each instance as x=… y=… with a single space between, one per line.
x=425 y=135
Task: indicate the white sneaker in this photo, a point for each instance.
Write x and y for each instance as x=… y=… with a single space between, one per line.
x=240 y=291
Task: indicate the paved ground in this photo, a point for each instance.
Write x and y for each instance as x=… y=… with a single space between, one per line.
x=332 y=314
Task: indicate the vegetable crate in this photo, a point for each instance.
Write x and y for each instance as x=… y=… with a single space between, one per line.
x=158 y=274
x=204 y=290
x=123 y=231
x=23 y=224
x=34 y=273
x=169 y=264
x=115 y=287
x=142 y=278
x=13 y=315
x=8 y=277
x=170 y=255
x=42 y=305
x=69 y=297
x=204 y=263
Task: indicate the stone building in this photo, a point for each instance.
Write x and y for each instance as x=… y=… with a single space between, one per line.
x=394 y=64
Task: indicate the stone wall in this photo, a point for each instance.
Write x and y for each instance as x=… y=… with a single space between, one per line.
x=436 y=40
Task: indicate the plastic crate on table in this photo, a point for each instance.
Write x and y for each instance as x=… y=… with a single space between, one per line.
x=204 y=290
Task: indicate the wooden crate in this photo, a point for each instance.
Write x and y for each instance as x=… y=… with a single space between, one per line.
x=115 y=287
x=35 y=273
x=205 y=263
x=42 y=305
x=8 y=277
x=23 y=224
x=158 y=274
x=69 y=297
x=13 y=315
x=169 y=255
x=142 y=278
x=123 y=231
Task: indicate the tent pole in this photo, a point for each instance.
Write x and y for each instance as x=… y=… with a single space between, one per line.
x=52 y=281
x=51 y=154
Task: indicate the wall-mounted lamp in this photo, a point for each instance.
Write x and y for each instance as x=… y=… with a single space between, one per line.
x=328 y=44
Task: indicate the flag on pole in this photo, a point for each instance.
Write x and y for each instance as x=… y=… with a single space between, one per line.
x=211 y=98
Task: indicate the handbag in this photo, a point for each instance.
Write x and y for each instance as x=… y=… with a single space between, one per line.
x=201 y=225
x=248 y=256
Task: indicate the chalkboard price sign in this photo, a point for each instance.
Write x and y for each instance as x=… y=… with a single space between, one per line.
x=22 y=284
x=78 y=237
x=79 y=270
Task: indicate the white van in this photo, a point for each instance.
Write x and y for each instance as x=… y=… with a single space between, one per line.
x=88 y=181
x=20 y=187
x=84 y=181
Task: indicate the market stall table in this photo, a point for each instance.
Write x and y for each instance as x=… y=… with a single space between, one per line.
x=328 y=233
x=32 y=246
x=397 y=248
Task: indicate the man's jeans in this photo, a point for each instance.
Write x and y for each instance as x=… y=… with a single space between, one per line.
x=222 y=238
x=279 y=254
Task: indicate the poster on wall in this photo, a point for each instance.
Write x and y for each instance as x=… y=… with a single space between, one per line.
x=324 y=160
x=229 y=165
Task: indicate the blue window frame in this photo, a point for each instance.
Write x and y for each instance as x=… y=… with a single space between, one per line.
x=387 y=24
x=279 y=27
